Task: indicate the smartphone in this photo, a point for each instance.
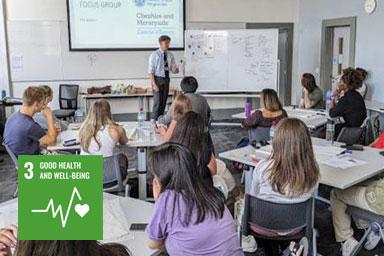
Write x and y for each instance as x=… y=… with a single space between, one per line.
x=138 y=227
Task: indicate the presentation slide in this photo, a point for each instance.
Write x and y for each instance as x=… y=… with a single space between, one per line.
x=125 y=24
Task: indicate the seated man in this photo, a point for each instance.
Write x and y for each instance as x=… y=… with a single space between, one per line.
x=200 y=105
x=369 y=196
x=22 y=134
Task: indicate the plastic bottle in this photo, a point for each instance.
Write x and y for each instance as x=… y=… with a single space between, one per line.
x=57 y=126
x=247 y=109
x=141 y=118
x=328 y=98
x=79 y=116
x=272 y=130
x=330 y=131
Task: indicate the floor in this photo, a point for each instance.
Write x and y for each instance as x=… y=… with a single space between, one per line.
x=224 y=138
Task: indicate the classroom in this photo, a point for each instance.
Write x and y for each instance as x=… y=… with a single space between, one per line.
x=191 y=127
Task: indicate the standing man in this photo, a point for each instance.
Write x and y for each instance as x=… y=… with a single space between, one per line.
x=161 y=62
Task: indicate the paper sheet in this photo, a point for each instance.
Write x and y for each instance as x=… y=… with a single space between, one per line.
x=114 y=226
x=343 y=162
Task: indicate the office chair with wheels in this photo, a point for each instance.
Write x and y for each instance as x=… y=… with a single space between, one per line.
x=68 y=101
x=15 y=162
x=294 y=220
x=112 y=180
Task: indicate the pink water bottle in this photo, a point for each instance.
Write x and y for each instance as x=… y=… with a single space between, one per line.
x=247 y=109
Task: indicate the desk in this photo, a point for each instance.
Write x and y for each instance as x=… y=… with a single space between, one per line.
x=334 y=177
x=374 y=106
x=131 y=211
x=143 y=141
x=143 y=99
x=312 y=118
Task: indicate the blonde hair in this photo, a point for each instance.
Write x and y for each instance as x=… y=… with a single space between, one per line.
x=48 y=90
x=270 y=101
x=181 y=105
x=294 y=170
x=98 y=117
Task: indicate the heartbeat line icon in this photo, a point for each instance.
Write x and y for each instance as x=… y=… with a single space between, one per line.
x=82 y=210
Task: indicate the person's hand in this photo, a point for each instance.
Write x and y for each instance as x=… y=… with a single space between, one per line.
x=47 y=112
x=155 y=188
x=155 y=88
x=175 y=70
x=8 y=240
x=162 y=130
x=337 y=92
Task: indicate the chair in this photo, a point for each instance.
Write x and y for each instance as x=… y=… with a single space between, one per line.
x=350 y=135
x=280 y=218
x=377 y=224
x=112 y=180
x=259 y=134
x=15 y=162
x=68 y=101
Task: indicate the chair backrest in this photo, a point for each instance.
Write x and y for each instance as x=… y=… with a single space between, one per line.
x=278 y=218
x=68 y=96
x=111 y=172
x=12 y=155
x=259 y=134
x=350 y=135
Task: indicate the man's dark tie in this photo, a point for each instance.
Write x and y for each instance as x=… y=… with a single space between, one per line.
x=166 y=68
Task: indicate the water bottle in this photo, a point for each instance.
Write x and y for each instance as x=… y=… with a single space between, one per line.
x=79 y=116
x=57 y=126
x=330 y=131
x=272 y=130
x=328 y=98
x=141 y=118
x=247 y=109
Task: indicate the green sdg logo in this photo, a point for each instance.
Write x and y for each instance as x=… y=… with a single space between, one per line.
x=60 y=197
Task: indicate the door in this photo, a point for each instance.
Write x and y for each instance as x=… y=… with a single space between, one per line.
x=338 y=42
x=341 y=48
x=283 y=68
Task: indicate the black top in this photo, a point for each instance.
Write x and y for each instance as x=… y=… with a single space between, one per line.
x=257 y=119
x=352 y=108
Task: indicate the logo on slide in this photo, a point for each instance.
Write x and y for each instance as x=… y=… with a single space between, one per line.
x=60 y=197
x=139 y=3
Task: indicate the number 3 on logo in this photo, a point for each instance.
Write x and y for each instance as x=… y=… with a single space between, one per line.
x=28 y=175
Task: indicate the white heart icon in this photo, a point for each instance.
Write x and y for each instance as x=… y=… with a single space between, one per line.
x=82 y=210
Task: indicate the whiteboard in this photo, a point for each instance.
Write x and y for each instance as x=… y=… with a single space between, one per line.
x=34 y=50
x=243 y=60
x=39 y=51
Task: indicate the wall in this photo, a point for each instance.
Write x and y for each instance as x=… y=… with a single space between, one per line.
x=369 y=38
x=4 y=75
x=198 y=12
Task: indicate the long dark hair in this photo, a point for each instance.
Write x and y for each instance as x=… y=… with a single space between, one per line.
x=270 y=101
x=191 y=132
x=309 y=82
x=69 y=248
x=175 y=167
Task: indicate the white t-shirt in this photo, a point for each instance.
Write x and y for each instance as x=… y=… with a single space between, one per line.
x=262 y=189
x=107 y=144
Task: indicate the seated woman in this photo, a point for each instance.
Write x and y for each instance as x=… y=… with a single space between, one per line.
x=368 y=195
x=271 y=112
x=189 y=218
x=351 y=107
x=291 y=173
x=363 y=89
x=312 y=94
x=8 y=240
x=181 y=105
x=99 y=134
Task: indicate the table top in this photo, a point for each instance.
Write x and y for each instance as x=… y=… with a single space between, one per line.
x=312 y=118
x=121 y=95
x=128 y=211
x=375 y=106
x=143 y=138
x=331 y=176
